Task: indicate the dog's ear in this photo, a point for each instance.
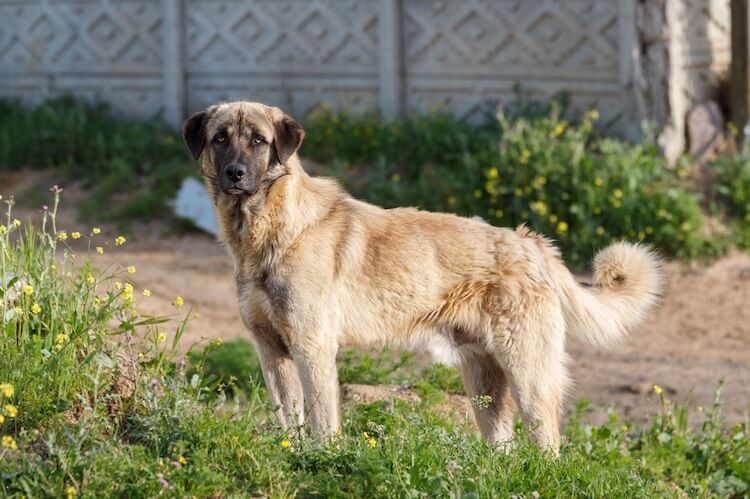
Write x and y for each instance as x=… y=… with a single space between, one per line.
x=288 y=135
x=194 y=133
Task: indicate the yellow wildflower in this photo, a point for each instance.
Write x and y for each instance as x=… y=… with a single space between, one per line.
x=118 y=285
x=11 y=411
x=62 y=235
x=127 y=293
x=493 y=173
x=617 y=193
x=131 y=269
x=99 y=250
x=662 y=213
x=71 y=492
x=18 y=311
x=181 y=459
x=6 y=389
x=61 y=338
x=518 y=192
x=16 y=223
x=90 y=279
x=96 y=230
x=372 y=442
x=539 y=207
x=285 y=444
x=540 y=180
x=600 y=230
x=598 y=181
x=559 y=129
x=562 y=227
x=28 y=290
x=2 y=419
x=593 y=115
x=553 y=218
x=649 y=229
x=9 y=442
x=451 y=200
x=685 y=226
x=3 y=229
x=178 y=302
x=35 y=308
x=120 y=240
x=76 y=235
x=658 y=390
x=161 y=338
x=641 y=235
x=499 y=213
x=146 y=292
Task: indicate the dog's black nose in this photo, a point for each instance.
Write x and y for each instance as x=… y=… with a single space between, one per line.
x=235 y=172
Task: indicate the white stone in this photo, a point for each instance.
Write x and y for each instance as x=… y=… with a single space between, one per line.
x=194 y=203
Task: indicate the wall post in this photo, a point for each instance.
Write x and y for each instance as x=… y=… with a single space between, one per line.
x=173 y=67
x=390 y=58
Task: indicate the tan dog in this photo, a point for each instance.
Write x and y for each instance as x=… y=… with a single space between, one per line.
x=317 y=269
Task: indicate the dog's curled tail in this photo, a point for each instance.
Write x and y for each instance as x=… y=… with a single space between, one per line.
x=627 y=283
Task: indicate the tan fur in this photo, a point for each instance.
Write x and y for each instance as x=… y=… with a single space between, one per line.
x=317 y=270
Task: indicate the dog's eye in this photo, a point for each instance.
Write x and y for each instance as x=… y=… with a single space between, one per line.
x=220 y=138
x=257 y=140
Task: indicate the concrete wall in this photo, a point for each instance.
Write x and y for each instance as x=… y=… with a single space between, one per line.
x=394 y=55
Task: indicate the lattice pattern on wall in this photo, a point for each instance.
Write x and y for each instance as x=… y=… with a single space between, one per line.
x=461 y=55
x=464 y=55
x=296 y=54
x=109 y=49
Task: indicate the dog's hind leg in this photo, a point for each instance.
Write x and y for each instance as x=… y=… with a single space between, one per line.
x=486 y=383
x=535 y=365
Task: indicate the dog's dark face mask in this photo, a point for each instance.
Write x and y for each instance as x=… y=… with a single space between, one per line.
x=244 y=145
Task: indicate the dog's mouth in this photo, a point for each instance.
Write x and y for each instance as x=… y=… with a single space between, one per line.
x=239 y=191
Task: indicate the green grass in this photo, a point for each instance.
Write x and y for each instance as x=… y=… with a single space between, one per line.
x=95 y=403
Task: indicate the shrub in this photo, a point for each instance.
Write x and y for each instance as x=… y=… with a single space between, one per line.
x=556 y=176
x=733 y=187
x=59 y=315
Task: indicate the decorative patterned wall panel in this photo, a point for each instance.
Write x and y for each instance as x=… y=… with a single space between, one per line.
x=463 y=56
x=396 y=55
x=297 y=54
x=91 y=48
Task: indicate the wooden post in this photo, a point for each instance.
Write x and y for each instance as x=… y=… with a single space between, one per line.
x=390 y=68
x=740 y=74
x=173 y=71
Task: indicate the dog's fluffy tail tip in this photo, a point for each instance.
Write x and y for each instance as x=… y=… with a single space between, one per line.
x=628 y=281
x=631 y=269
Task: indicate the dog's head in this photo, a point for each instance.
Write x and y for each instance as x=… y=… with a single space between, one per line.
x=244 y=145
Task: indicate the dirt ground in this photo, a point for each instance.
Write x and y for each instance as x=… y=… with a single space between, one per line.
x=699 y=336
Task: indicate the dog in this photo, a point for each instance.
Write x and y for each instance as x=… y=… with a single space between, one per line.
x=316 y=269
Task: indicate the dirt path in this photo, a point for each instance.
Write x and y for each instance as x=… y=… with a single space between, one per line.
x=699 y=336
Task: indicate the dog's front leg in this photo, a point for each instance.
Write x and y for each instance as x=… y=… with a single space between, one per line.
x=317 y=371
x=282 y=382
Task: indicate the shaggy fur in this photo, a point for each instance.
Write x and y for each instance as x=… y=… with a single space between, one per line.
x=316 y=269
